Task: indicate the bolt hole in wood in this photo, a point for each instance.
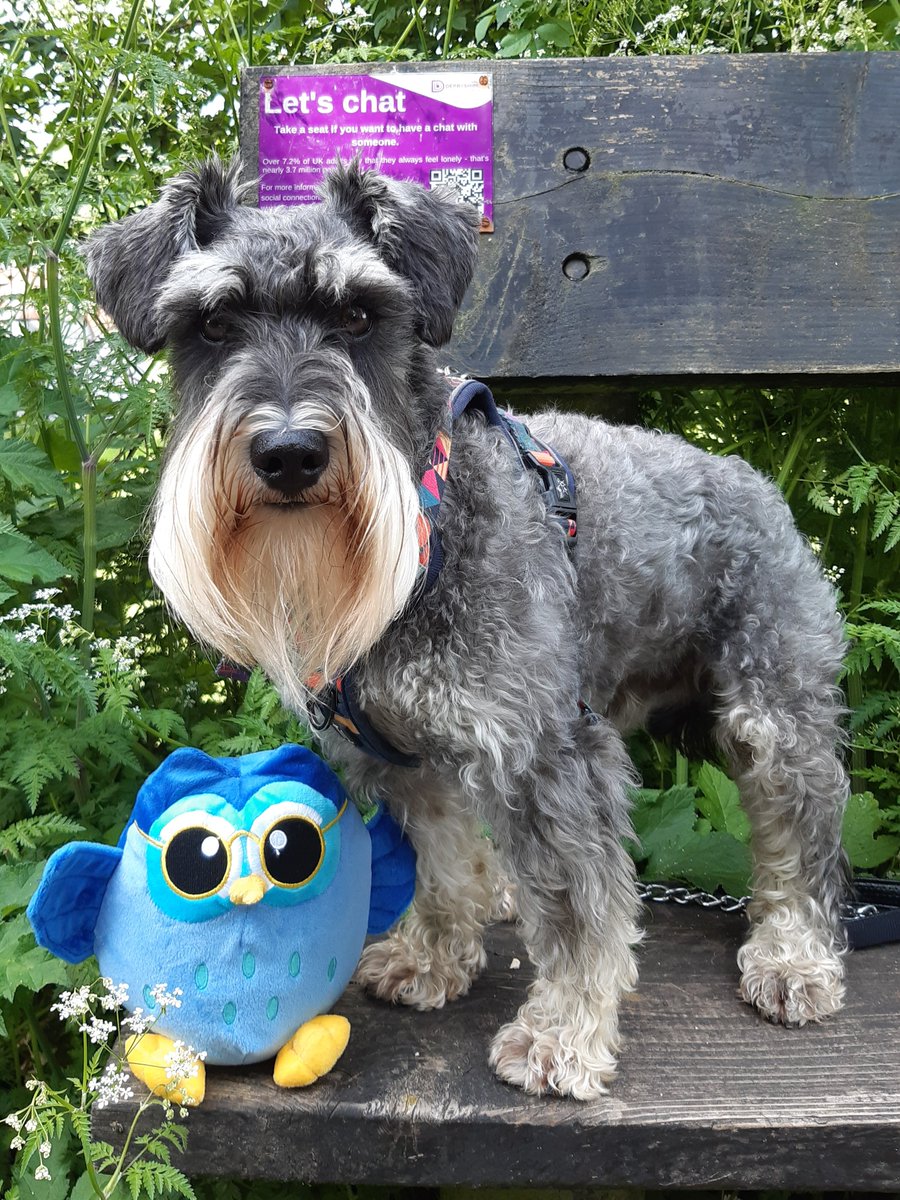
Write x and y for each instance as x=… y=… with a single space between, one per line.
x=576 y=159
x=576 y=266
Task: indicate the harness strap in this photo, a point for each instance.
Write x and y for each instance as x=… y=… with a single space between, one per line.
x=339 y=701
x=338 y=704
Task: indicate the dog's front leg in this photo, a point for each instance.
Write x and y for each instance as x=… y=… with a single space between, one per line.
x=578 y=905
x=436 y=951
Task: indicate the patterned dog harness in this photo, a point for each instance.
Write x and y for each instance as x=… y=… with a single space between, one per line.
x=338 y=702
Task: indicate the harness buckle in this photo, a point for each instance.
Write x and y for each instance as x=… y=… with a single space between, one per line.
x=321 y=707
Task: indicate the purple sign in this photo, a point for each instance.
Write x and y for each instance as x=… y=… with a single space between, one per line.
x=434 y=128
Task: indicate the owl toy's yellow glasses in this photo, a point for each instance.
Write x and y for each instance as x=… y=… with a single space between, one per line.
x=196 y=861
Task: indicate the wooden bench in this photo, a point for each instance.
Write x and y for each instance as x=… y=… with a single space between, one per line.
x=689 y=219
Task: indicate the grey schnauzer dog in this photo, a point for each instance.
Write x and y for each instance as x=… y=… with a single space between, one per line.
x=286 y=535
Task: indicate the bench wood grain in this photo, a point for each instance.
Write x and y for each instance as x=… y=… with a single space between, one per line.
x=738 y=215
x=708 y=1095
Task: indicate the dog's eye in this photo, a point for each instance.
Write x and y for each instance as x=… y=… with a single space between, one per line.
x=356 y=321
x=212 y=330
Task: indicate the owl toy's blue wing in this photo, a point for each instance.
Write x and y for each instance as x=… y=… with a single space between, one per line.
x=63 y=911
x=393 y=871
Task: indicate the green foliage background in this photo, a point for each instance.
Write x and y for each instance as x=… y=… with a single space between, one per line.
x=99 y=103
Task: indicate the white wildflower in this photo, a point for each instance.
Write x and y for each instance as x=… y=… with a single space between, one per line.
x=44 y=1149
x=138 y=1021
x=14 y=1120
x=47 y=593
x=31 y=1125
x=41 y=1172
x=183 y=1062
x=165 y=999
x=97 y=1030
x=74 y=1004
x=17 y=1143
x=115 y=996
x=112 y=1086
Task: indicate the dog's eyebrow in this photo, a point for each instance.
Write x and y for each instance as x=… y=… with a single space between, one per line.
x=345 y=272
x=203 y=281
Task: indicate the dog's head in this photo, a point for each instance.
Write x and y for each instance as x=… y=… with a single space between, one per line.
x=301 y=342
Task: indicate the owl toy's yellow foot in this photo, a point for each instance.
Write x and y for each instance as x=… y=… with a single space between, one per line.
x=154 y=1060
x=312 y=1051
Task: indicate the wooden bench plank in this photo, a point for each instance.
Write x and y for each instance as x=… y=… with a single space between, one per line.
x=708 y=1094
x=739 y=215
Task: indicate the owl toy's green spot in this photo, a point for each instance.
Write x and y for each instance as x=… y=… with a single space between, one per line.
x=248 y=965
x=229 y=1012
x=148 y=997
x=332 y=967
x=272 y=1008
x=294 y=965
x=201 y=977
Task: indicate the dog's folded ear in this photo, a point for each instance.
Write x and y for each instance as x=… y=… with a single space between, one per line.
x=429 y=237
x=128 y=261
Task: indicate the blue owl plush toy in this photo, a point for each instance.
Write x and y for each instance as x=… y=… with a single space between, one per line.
x=250 y=884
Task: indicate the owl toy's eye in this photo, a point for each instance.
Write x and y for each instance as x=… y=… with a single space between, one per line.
x=292 y=851
x=196 y=862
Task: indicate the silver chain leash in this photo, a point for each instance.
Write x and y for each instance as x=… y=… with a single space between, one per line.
x=663 y=893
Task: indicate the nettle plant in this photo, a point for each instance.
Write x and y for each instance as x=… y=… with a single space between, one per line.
x=54 y=1115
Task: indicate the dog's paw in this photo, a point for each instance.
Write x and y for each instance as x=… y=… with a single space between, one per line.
x=551 y=1061
x=399 y=971
x=791 y=982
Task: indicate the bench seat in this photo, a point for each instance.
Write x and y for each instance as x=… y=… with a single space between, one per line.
x=708 y=1095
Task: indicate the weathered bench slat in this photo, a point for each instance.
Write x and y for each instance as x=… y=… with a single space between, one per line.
x=708 y=1094
x=739 y=215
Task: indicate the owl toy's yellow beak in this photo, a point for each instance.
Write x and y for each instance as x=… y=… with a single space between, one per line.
x=249 y=890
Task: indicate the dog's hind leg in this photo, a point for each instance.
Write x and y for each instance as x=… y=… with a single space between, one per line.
x=578 y=907
x=436 y=951
x=783 y=743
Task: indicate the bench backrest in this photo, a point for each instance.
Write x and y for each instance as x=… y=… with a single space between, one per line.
x=703 y=215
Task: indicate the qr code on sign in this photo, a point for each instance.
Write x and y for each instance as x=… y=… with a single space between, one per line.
x=467 y=182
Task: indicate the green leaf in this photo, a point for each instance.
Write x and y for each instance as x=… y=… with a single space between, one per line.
x=22 y=963
x=28 y=469
x=862 y=841
x=483 y=25
x=719 y=801
x=18 y=882
x=860 y=481
x=664 y=818
x=708 y=862
x=514 y=44
x=22 y=561
x=885 y=511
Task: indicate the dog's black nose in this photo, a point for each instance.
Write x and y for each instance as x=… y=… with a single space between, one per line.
x=290 y=461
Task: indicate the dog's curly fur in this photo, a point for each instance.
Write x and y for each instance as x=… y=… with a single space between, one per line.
x=693 y=590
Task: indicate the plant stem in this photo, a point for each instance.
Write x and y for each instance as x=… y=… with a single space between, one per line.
x=451 y=13
x=99 y=125
x=681 y=770
x=398 y=45
x=857 y=582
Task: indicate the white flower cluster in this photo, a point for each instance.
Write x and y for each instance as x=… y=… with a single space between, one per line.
x=113 y=1086
x=74 y=1004
x=138 y=1022
x=166 y=999
x=80 y=1002
x=121 y=654
x=37 y=614
x=97 y=1030
x=183 y=1062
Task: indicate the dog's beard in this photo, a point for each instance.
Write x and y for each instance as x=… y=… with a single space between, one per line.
x=298 y=589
